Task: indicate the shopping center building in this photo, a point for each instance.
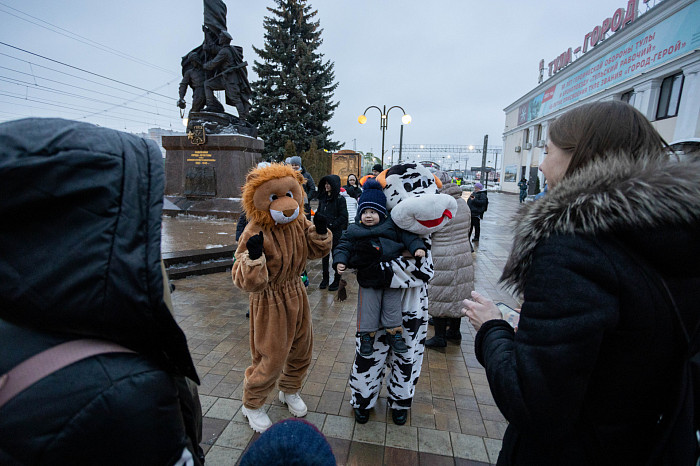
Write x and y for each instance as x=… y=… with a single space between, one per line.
x=646 y=55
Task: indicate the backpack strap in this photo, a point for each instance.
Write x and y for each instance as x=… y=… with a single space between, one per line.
x=31 y=370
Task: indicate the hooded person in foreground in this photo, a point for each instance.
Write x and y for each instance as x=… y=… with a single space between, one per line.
x=596 y=358
x=81 y=259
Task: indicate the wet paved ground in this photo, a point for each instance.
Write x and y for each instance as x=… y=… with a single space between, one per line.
x=453 y=419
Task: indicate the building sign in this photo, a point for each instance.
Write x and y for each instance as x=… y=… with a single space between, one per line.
x=668 y=40
x=616 y=22
x=201 y=157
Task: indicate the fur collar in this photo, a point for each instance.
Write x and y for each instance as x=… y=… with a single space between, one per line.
x=609 y=195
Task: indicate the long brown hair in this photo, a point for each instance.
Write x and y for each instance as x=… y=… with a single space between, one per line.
x=605 y=129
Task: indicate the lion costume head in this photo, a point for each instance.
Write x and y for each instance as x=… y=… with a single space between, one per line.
x=273 y=195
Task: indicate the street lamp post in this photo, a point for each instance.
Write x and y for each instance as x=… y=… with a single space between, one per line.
x=405 y=119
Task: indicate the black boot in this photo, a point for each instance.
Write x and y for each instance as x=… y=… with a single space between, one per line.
x=366 y=343
x=361 y=415
x=453 y=333
x=438 y=341
x=396 y=341
x=336 y=283
x=399 y=416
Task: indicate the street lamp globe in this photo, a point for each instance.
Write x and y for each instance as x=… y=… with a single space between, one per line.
x=362 y=119
x=406 y=119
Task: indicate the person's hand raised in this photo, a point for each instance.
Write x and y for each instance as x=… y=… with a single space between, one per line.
x=255 y=246
x=321 y=224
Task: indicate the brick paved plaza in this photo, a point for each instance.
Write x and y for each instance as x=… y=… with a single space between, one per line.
x=453 y=419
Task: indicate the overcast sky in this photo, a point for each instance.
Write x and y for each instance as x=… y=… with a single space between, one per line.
x=453 y=65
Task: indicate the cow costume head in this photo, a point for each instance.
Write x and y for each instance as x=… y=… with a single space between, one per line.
x=412 y=196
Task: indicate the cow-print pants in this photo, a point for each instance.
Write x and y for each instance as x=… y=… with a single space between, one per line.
x=368 y=372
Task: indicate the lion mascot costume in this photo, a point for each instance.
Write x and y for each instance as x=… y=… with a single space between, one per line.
x=270 y=258
x=415 y=205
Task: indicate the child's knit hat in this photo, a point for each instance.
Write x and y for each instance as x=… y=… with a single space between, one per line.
x=372 y=197
x=291 y=441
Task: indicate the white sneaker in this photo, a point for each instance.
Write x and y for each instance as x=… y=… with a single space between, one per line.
x=294 y=402
x=257 y=418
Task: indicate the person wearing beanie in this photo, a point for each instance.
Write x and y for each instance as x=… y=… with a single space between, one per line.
x=478 y=203
x=363 y=246
x=291 y=441
x=332 y=207
x=309 y=186
x=377 y=169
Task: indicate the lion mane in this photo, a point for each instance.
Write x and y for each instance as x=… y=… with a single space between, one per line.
x=256 y=178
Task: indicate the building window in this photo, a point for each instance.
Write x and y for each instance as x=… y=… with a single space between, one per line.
x=628 y=97
x=526 y=136
x=539 y=133
x=670 y=96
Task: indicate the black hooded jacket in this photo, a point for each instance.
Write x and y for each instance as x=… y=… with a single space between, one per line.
x=81 y=259
x=479 y=204
x=332 y=206
x=353 y=191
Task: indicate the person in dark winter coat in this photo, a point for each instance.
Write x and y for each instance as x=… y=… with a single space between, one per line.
x=363 y=246
x=353 y=186
x=81 y=259
x=478 y=203
x=309 y=186
x=333 y=207
x=597 y=354
x=523 y=189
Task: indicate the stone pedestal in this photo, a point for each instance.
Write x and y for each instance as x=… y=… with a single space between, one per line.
x=206 y=179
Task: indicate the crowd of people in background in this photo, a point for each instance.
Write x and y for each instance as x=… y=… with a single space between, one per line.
x=590 y=375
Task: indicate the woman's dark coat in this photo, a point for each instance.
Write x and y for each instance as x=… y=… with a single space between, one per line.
x=596 y=354
x=479 y=204
x=333 y=207
x=353 y=191
x=81 y=258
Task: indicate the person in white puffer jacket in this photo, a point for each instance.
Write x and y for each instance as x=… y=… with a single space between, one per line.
x=351 y=204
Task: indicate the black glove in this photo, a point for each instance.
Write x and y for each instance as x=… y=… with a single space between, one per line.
x=255 y=246
x=321 y=224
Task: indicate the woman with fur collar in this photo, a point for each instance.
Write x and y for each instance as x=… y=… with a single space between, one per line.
x=596 y=357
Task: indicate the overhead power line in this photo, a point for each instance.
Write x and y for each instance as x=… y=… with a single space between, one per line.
x=39 y=86
x=68 y=107
x=147 y=95
x=65 y=93
x=84 y=71
x=84 y=40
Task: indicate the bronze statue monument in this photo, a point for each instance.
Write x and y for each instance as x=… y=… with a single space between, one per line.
x=216 y=65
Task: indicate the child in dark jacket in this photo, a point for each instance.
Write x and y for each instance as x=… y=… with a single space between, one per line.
x=363 y=246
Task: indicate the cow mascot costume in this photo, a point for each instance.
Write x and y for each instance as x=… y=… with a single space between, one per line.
x=268 y=263
x=412 y=196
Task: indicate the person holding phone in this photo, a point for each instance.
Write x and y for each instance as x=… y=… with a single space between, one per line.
x=597 y=355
